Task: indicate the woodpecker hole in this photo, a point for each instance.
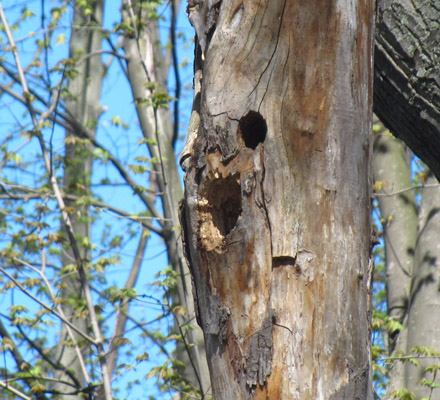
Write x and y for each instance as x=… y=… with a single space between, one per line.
x=253 y=129
x=285 y=261
x=220 y=209
x=226 y=201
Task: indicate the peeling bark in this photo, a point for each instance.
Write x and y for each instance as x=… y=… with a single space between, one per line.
x=259 y=355
x=277 y=193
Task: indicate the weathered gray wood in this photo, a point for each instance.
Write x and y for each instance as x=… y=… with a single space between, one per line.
x=277 y=191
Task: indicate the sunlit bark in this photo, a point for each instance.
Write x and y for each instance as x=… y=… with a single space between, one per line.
x=277 y=194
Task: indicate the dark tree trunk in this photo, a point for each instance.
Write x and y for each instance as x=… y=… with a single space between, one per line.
x=407 y=75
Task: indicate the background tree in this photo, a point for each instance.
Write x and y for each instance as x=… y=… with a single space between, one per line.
x=83 y=104
x=409 y=214
x=391 y=167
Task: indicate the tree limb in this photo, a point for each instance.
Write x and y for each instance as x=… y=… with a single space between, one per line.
x=121 y=318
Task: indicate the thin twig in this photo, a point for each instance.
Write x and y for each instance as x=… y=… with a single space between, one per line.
x=403 y=358
x=69 y=122
x=427 y=186
x=14 y=50
x=35 y=194
x=121 y=318
x=45 y=306
x=99 y=52
x=45 y=357
x=61 y=312
x=60 y=27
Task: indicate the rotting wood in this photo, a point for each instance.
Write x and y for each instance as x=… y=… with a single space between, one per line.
x=277 y=192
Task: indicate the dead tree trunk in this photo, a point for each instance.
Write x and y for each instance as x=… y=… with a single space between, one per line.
x=277 y=191
x=276 y=213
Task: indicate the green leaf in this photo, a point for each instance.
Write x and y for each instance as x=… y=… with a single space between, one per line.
x=7 y=344
x=18 y=309
x=403 y=394
x=124 y=294
x=425 y=350
x=142 y=357
x=56 y=13
x=428 y=383
x=38 y=388
x=148 y=141
x=31 y=282
x=68 y=269
x=61 y=39
x=138 y=169
x=432 y=368
x=117 y=121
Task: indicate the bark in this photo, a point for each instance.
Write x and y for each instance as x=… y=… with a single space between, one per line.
x=84 y=106
x=423 y=328
x=399 y=214
x=407 y=75
x=277 y=192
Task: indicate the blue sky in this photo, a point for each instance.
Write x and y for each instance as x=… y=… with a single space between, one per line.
x=117 y=99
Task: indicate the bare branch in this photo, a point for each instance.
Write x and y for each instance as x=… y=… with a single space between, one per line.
x=35 y=194
x=19 y=360
x=71 y=123
x=174 y=11
x=45 y=306
x=433 y=185
x=133 y=18
x=99 y=52
x=14 y=391
x=60 y=27
x=61 y=312
x=121 y=318
x=45 y=357
x=14 y=50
